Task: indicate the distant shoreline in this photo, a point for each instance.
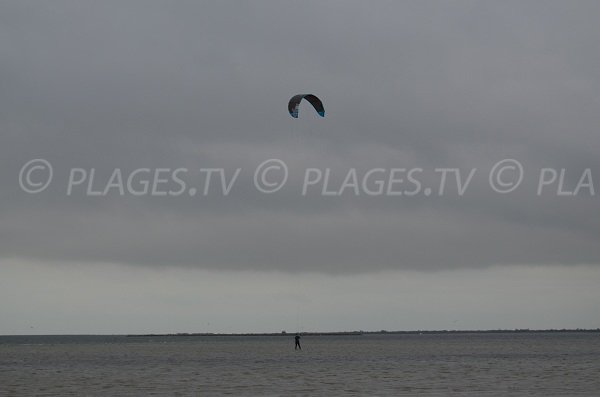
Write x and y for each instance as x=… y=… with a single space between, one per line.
x=334 y=333
x=382 y=332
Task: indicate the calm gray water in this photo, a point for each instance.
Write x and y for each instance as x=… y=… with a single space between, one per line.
x=430 y=365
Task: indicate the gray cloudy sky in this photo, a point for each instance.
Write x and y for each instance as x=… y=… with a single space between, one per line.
x=141 y=84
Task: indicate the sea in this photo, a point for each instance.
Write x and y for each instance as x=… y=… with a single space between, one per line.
x=465 y=364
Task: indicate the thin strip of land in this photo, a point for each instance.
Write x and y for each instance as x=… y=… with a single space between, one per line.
x=381 y=332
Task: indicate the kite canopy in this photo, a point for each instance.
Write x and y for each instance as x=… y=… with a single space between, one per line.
x=294 y=104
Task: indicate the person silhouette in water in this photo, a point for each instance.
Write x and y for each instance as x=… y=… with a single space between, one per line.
x=297 y=345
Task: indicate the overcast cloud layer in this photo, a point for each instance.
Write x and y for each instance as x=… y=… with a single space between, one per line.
x=131 y=299
x=205 y=84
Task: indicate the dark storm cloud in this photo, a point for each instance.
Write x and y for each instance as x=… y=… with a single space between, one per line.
x=405 y=84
